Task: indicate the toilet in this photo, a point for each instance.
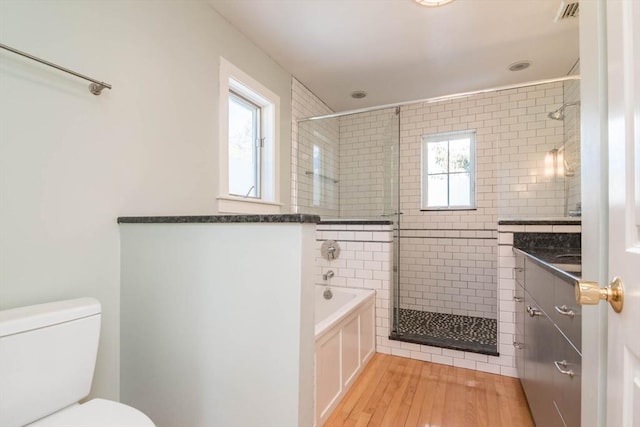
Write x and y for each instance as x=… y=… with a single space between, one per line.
x=47 y=357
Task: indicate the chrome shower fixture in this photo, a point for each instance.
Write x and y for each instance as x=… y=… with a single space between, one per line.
x=559 y=113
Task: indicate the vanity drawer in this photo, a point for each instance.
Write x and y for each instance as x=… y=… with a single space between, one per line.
x=519 y=269
x=567 y=366
x=519 y=339
x=566 y=313
x=539 y=368
x=520 y=309
x=539 y=284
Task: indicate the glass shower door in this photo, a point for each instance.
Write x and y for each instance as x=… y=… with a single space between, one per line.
x=391 y=205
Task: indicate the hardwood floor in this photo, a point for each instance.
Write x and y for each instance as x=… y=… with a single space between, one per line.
x=395 y=391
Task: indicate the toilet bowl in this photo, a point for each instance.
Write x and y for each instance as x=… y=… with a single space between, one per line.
x=47 y=358
x=96 y=413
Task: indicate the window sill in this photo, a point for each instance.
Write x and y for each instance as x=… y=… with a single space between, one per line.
x=240 y=205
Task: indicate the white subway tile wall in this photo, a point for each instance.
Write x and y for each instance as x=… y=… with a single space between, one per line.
x=448 y=259
x=442 y=274
x=572 y=142
x=351 y=177
x=513 y=133
x=364 y=147
x=365 y=261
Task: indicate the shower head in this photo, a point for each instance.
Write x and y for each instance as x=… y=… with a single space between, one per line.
x=559 y=113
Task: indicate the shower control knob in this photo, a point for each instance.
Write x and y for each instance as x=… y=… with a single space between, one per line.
x=330 y=250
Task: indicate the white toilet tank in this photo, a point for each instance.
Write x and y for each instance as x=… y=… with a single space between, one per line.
x=47 y=357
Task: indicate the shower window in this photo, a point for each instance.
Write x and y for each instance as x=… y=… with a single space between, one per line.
x=448 y=171
x=317 y=183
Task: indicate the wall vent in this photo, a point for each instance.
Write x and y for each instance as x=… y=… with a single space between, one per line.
x=567 y=10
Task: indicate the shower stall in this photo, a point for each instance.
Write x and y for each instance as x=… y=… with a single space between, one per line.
x=370 y=165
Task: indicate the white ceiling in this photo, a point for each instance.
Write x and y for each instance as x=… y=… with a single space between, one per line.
x=399 y=51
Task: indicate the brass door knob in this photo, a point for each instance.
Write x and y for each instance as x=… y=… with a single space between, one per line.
x=590 y=293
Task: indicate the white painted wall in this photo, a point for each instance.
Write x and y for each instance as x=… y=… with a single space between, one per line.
x=216 y=325
x=71 y=162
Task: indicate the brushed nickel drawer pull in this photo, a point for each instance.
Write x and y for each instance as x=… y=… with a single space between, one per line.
x=565 y=311
x=564 y=371
x=518 y=299
x=533 y=312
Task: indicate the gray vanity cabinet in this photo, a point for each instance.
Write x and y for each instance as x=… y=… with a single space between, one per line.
x=567 y=313
x=566 y=388
x=538 y=365
x=518 y=342
x=547 y=344
x=518 y=298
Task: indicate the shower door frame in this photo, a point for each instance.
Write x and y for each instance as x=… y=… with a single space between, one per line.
x=394 y=213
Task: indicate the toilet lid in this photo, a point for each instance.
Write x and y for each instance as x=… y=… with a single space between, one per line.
x=96 y=413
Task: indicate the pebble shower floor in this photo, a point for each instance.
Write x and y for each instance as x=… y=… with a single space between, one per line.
x=469 y=333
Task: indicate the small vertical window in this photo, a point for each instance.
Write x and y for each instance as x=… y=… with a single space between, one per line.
x=249 y=173
x=448 y=171
x=245 y=143
x=317 y=183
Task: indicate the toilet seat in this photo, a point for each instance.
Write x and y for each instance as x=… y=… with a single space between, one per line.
x=96 y=413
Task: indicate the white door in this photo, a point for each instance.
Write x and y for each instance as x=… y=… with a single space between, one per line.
x=623 y=369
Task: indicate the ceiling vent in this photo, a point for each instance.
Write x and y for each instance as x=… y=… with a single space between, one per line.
x=567 y=10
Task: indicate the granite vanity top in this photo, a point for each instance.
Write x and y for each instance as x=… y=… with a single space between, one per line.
x=552 y=241
x=563 y=263
x=220 y=219
x=356 y=221
x=541 y=221
x=558 y=253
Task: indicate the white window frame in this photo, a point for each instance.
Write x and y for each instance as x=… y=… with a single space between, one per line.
x=232 y=78
x=257 y=144
x=446 y=136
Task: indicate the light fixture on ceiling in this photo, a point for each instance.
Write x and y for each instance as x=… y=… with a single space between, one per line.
x=358 y=94
x=433 y=2
x=519 y=65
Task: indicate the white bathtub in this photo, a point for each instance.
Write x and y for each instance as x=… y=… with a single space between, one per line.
x=345 y=341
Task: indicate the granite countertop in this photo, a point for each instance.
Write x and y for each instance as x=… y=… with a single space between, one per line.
x=556 y=261
x=550 y=241
x=357 y=221
x=541 y=221
x=220 y=219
